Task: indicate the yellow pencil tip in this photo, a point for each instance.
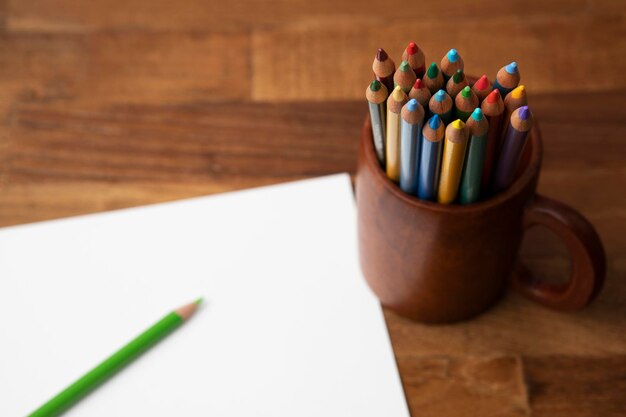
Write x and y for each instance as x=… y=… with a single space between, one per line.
x=518 y=91
x=458 y=124
x=398 y=94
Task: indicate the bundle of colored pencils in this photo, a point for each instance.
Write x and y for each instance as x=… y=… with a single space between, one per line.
x=440 y=138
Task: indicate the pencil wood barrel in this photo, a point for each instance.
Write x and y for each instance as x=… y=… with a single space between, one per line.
x=444 y=263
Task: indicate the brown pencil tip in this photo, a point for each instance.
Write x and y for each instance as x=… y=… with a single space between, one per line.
x=381 y=55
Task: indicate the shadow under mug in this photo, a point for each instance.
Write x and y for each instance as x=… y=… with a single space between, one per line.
x=444 y=263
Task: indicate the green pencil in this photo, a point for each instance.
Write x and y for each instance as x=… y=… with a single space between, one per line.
x=92 y=379
x=473 y=167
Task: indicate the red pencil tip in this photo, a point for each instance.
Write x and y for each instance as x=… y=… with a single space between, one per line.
x=411 y=49
x=493 y=96
x=482 y=82
x=381 y=55
x=418 y=84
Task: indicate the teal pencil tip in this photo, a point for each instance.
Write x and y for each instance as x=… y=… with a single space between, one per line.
x=453 y=55
x=434 y=122
x=477 y=114
x=511 y=68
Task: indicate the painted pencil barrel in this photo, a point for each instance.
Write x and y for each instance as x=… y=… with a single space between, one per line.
x=396 y=100
x=452 y=161
x=493 y=109
x=377 y=117
x=512 y=147
x=430 y=159
x=478 y=127
x=392 y=146
x=409 y=157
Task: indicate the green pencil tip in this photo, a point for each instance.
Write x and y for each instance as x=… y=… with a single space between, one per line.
x=375 y=85
x=199 y=301
x=432 y=71
x=466 y=92
x=404 y=66
x=458 y=76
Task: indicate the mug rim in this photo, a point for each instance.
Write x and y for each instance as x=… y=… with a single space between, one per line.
x=531 y=172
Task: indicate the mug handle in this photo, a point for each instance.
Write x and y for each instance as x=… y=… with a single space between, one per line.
x=585 y=249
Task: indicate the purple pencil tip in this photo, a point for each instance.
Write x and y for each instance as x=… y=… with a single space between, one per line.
x=524 y=113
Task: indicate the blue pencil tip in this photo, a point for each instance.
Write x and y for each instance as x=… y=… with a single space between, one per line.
x=453 y=55
x=477 y=114
x=524 y=113
x=412 y=105
x=511 y=68
x=434 y=122
x=440 y=95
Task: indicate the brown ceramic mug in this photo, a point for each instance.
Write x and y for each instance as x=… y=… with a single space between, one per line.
x=443 y=263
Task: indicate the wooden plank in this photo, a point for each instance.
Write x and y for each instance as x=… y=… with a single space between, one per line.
x=491 y=385
x=576 y=387
x=330 y=59
x=72 y=15
x=130 y=68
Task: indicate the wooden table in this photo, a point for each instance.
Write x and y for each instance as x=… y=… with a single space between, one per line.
x=115 y=104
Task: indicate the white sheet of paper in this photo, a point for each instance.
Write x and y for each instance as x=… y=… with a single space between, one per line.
x=289 y=327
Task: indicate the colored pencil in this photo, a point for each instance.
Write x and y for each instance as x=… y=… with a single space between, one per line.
x=384 y=68
x=433 y=80
x=456 y=83
x=404 y=77
x=430 y=158
x=472 y=168
x=482 y=87
x=513 y=145
x=376 y=95
x=493 y=109
x=441 y=104
x=507 y=79
x=421 y=94
x=465 y=103
x=415 y=57
x=410 y=143
x=396 y=100
x=450 y=63
x=452 y=161
x=92 y=379
x=514 y=100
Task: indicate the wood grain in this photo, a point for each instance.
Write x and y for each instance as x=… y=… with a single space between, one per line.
x=113 y=104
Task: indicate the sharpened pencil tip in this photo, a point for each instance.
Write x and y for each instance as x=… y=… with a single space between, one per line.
x=518 y=92
x=412 y=48
x=434 y=122
x=458 y=124
x=482 y=82
x=381 y=55
x=524 y=113
x=412 y=105
x=458 y=76
x=440 y=95
x=511 y=68
x=493 y=96
x=466 y=92
x=418 y=84
x=433 y=70
x=453 y=55
x=398 y=94
x=404 y=66
x=477 y=114
x=375 y=85
x=199 y=301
